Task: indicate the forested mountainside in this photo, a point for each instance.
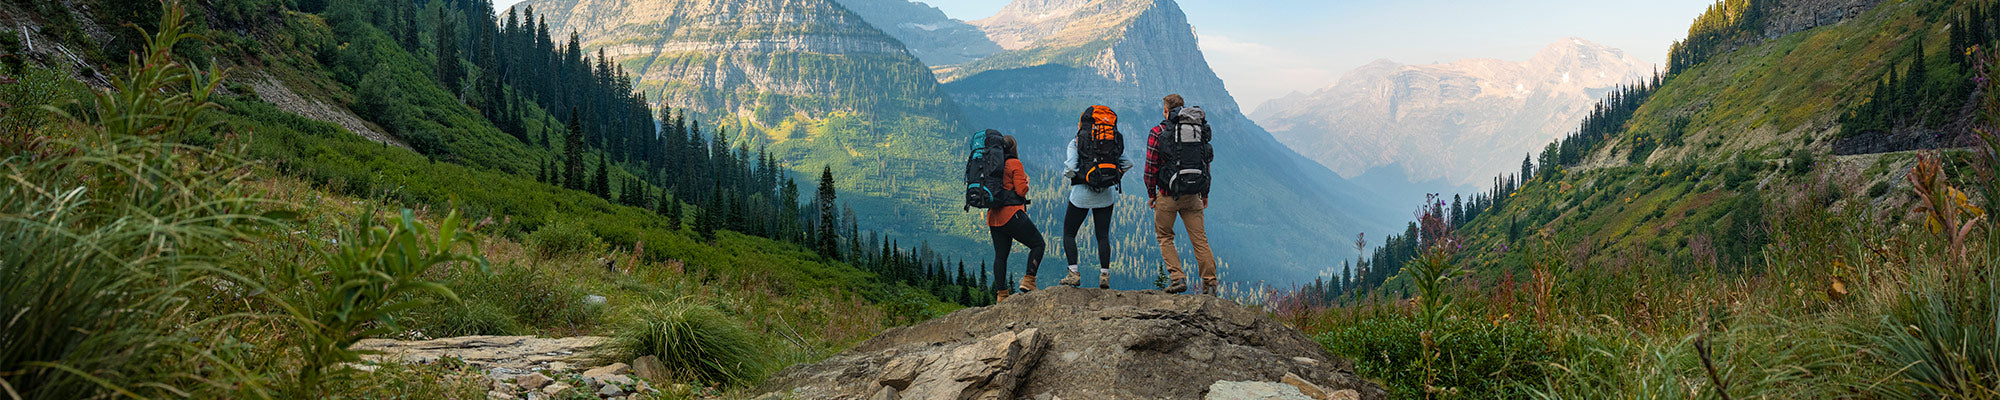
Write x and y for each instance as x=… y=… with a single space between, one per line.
x=1795 y=208
x=236 y=188
x=1274 y=212
x=1488 y=114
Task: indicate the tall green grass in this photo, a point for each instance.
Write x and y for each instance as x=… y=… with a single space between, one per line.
x=108 y=231
x=693 y=341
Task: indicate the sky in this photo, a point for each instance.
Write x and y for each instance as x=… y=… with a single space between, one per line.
x=1264 y=49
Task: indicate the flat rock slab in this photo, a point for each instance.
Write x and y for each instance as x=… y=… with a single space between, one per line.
x=1232 y=390
x=516 y=353
x=1075 y=343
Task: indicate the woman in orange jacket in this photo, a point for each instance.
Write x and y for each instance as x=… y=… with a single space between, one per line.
x=1011 y=224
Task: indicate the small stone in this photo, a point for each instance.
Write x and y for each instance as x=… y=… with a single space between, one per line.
x=885 y=393
x=1228 y=390
x=1307 y=388
x=899 y=373
x=533 y=381
x=608 y=370
x=497 y=395
x=559 y=366
x=556 y=388
x=1344 y=394
x=610 y=391
x=594 y=300
x=650 y=368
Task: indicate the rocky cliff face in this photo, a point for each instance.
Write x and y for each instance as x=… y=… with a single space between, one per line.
x=932 y=36
x=1080 y=344
x=761 y=59
x=1273 y=210
x=1485 y=113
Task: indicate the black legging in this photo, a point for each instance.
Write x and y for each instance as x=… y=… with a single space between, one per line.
x=1021 y=229
x=1100 y=226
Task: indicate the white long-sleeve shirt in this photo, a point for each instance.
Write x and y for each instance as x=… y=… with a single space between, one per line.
x=1084 y=196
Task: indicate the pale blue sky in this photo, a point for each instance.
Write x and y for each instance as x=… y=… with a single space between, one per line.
x=1266 y=48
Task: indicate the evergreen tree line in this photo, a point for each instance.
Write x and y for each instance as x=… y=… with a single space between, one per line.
x=1725 y=25
x=1914 y=93
x=610 y=144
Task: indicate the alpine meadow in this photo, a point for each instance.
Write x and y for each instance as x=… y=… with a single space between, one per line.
x=999 y=199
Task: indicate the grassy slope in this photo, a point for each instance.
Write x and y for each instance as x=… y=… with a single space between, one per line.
x=1755 y=105
x=776 y=289
x=1631 y=303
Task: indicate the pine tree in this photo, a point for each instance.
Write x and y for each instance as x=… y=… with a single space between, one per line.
x=573 y=153
x=602 y=186
x=829 y=223
x=449 y=71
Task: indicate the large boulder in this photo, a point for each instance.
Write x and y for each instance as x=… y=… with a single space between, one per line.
x=1074 y=344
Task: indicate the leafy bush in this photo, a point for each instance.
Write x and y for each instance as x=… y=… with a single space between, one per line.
x=693 y=342
x=1476 y=360
x=564 y=239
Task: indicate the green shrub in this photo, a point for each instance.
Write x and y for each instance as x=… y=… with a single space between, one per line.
x=564 y=239
x=1477 y=360
x=693 y=342
x=1878 y=189
x=473 y=317
x=512 y=300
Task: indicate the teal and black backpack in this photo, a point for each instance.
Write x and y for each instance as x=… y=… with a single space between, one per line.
x=985 y=169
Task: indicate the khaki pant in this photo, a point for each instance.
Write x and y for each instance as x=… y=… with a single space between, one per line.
x=1188 y=208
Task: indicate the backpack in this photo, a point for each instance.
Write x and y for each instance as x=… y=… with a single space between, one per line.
x=1184 y=142
x=1098 y=147
x=985 y=169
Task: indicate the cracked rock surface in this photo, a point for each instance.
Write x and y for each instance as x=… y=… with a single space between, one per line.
x=1078 y=344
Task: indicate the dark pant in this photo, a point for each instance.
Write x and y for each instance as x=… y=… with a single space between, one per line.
x=1100 y=226
x=1018 y=229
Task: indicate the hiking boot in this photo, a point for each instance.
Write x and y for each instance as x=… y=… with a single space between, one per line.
x=1209 y=288
x=999 y=296
x=1178 y=286
x=1073 y=280
x=1104 y=279
x=1027 y=284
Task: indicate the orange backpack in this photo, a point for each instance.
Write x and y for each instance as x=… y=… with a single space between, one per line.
x=1098 y=147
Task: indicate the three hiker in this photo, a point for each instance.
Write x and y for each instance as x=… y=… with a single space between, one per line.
x=1177 y=180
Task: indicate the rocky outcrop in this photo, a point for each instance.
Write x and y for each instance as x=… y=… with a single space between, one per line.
x=1080 y=344
x=1486 y=113
x=1793 y=16
x=519 y=353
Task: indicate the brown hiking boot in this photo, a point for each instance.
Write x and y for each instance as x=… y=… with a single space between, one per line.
x=1073 y=280
x=1027 y=284
x=1209 y=288
x=999 y=296
x=1178 y=286
x=1104 y=278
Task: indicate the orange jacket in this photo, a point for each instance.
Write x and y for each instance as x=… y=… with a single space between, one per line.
x=1015 y=179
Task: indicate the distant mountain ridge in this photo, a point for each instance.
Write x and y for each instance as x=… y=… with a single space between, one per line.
x=930 y=35
x=762 y=60
x=1486 y=113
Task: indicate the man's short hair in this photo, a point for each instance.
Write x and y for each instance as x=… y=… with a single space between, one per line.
x=1173 y=101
